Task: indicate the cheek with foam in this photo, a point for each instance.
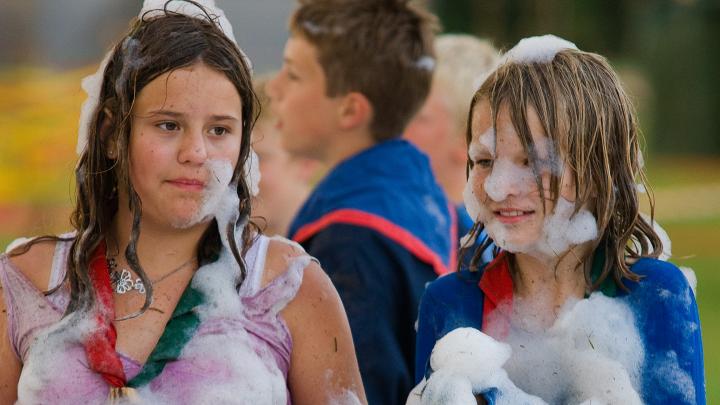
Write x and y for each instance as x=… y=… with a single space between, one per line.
x=564 y=229
x=479 y=213
x=219 y=176
x=485 y=142
x=472 y=202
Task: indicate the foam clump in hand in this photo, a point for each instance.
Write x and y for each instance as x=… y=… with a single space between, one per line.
x=469 y=351
x=464 y=361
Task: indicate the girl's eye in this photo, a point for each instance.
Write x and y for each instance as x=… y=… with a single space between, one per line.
x=168 y=126
x=219 y=131
x=484 y=163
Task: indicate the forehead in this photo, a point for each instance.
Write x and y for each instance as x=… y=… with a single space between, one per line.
x=197 y=87
x=482 y=123
x=301 y=53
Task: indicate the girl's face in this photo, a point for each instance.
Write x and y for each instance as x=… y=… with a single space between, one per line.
x=502 y=190
x=185 y=140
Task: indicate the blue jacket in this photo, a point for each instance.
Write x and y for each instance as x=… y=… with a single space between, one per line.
x=663 y=304
x=381 y=228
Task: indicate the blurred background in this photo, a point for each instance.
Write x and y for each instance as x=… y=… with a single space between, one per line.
x=667 y=52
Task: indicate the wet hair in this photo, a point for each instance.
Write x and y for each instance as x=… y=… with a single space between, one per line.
x=154 y=45
x=590 y=120
x=382 y=49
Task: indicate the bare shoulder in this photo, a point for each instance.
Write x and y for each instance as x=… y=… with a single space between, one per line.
x=34 y=262
x=280 y=254
x=316 y=286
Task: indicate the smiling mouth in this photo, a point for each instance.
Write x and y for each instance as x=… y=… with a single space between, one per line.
x=512 y=216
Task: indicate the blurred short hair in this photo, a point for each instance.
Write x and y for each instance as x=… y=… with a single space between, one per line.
x=463 y=64
x=382 y=49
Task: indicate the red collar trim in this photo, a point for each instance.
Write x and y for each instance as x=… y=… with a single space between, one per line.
x=381 y=225
x=497 y=287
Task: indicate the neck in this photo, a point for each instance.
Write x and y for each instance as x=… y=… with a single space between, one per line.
x=348 y=144
x=542 y=285
x=158 y=248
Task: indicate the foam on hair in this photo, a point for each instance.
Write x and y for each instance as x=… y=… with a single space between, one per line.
x=540 y=49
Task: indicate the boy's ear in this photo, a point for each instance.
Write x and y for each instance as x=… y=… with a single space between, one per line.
x=355 y=111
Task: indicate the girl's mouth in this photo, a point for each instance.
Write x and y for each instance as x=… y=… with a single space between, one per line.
x=512 y=216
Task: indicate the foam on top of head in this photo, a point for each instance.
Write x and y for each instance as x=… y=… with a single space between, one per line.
x=540 y=49
x=152 y=8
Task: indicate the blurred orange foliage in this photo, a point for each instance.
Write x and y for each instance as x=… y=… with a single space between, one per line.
x=39 y=112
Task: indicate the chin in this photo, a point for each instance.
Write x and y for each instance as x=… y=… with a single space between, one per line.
x=510 y=238
x=186 y=217
x=187 y=223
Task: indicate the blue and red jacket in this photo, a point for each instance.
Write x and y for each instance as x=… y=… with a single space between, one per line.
x=662 y=301
x=382 y=229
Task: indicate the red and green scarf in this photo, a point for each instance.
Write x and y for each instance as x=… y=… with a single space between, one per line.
x=100 y=346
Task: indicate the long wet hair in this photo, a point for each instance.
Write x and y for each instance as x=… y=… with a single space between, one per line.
x=154 y=45
x=590 y=120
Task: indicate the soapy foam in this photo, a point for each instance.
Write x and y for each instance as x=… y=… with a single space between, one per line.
x=593 y=353
x=219 y=176
x=539 y=49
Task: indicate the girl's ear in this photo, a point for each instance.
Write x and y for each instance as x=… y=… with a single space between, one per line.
x=105 y=133
x=355 y=111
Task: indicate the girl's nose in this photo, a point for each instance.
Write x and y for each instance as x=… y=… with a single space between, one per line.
x=193 y=149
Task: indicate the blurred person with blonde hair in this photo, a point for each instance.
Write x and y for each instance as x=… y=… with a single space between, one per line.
x=285 y=179
x=438 y=129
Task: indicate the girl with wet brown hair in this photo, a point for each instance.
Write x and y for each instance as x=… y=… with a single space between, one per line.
x=164 y=292
x=576 y=307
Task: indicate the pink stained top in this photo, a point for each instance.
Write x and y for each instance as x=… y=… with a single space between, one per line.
x=55 y=369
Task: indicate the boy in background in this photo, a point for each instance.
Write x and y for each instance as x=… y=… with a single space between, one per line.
x=354 y=74
x=463 y=62
x=285 y=180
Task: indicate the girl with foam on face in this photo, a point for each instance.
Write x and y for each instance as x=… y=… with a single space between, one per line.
x=576 y=306
x=165 y=293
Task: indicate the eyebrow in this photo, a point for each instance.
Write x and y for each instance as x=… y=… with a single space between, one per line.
x=175 y=114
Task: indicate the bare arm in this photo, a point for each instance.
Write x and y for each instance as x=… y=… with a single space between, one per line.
x=11 y=367
x=323 y=366
x=35 y=265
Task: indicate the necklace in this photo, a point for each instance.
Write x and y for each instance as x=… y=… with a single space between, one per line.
x=122 y=280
